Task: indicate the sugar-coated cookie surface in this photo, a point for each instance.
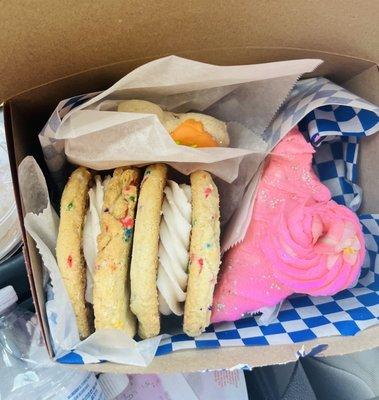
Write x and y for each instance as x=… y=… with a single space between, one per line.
x=204 y=253
x=111 y=291
x=69 y=251
x=144 y=264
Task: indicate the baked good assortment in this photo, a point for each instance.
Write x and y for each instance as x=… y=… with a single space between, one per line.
x=154 y=242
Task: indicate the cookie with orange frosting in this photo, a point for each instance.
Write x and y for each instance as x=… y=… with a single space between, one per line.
x=186 y=129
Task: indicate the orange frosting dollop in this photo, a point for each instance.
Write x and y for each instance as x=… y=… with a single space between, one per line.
x=192 y=133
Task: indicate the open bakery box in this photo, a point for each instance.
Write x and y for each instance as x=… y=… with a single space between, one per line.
x=52 y=52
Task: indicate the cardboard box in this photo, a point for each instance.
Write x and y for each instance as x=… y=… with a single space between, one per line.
x=69 y=46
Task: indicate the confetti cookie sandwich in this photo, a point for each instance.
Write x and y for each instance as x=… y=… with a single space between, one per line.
x=96 y=228
x=176 y=241
x=187 y=129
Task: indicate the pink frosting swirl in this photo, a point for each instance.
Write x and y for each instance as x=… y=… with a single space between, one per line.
x=316 y=248
x=298 y=240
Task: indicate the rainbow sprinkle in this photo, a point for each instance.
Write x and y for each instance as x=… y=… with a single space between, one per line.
x=208 y=190
x=70 y=206
x=127 y=222
x=69 y=261
x=128 y=233
x=200 y=261
x=145 y=176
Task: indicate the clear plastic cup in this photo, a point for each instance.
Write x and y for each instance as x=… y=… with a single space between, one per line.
x=26 y=370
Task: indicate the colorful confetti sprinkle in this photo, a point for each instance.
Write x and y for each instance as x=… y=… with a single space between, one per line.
x=200 y=261
x=127 y=222
x=132 y=198
x=145 y=176
x=70 y=206
x=69 y=261
x=208 y=190
x=208 y=246
x=128 y=233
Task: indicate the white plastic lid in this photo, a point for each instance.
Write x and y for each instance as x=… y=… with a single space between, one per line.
x=8 y=297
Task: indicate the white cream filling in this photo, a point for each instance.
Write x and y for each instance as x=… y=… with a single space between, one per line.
x=91 y=230
x=175 y=230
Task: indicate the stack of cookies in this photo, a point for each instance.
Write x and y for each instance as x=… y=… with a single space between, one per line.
x=154 y=245
x=158 y=250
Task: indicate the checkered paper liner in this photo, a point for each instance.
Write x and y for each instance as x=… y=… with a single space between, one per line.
x=335 y=120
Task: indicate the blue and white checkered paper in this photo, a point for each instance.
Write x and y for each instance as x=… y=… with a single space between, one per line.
x=335 y=120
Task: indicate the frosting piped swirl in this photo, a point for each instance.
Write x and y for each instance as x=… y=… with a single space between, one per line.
x=175 y=230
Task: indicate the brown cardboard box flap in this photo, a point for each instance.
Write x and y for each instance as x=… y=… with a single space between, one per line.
x=43 y=41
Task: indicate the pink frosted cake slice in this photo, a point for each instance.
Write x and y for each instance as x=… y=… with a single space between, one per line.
x=298 y=240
